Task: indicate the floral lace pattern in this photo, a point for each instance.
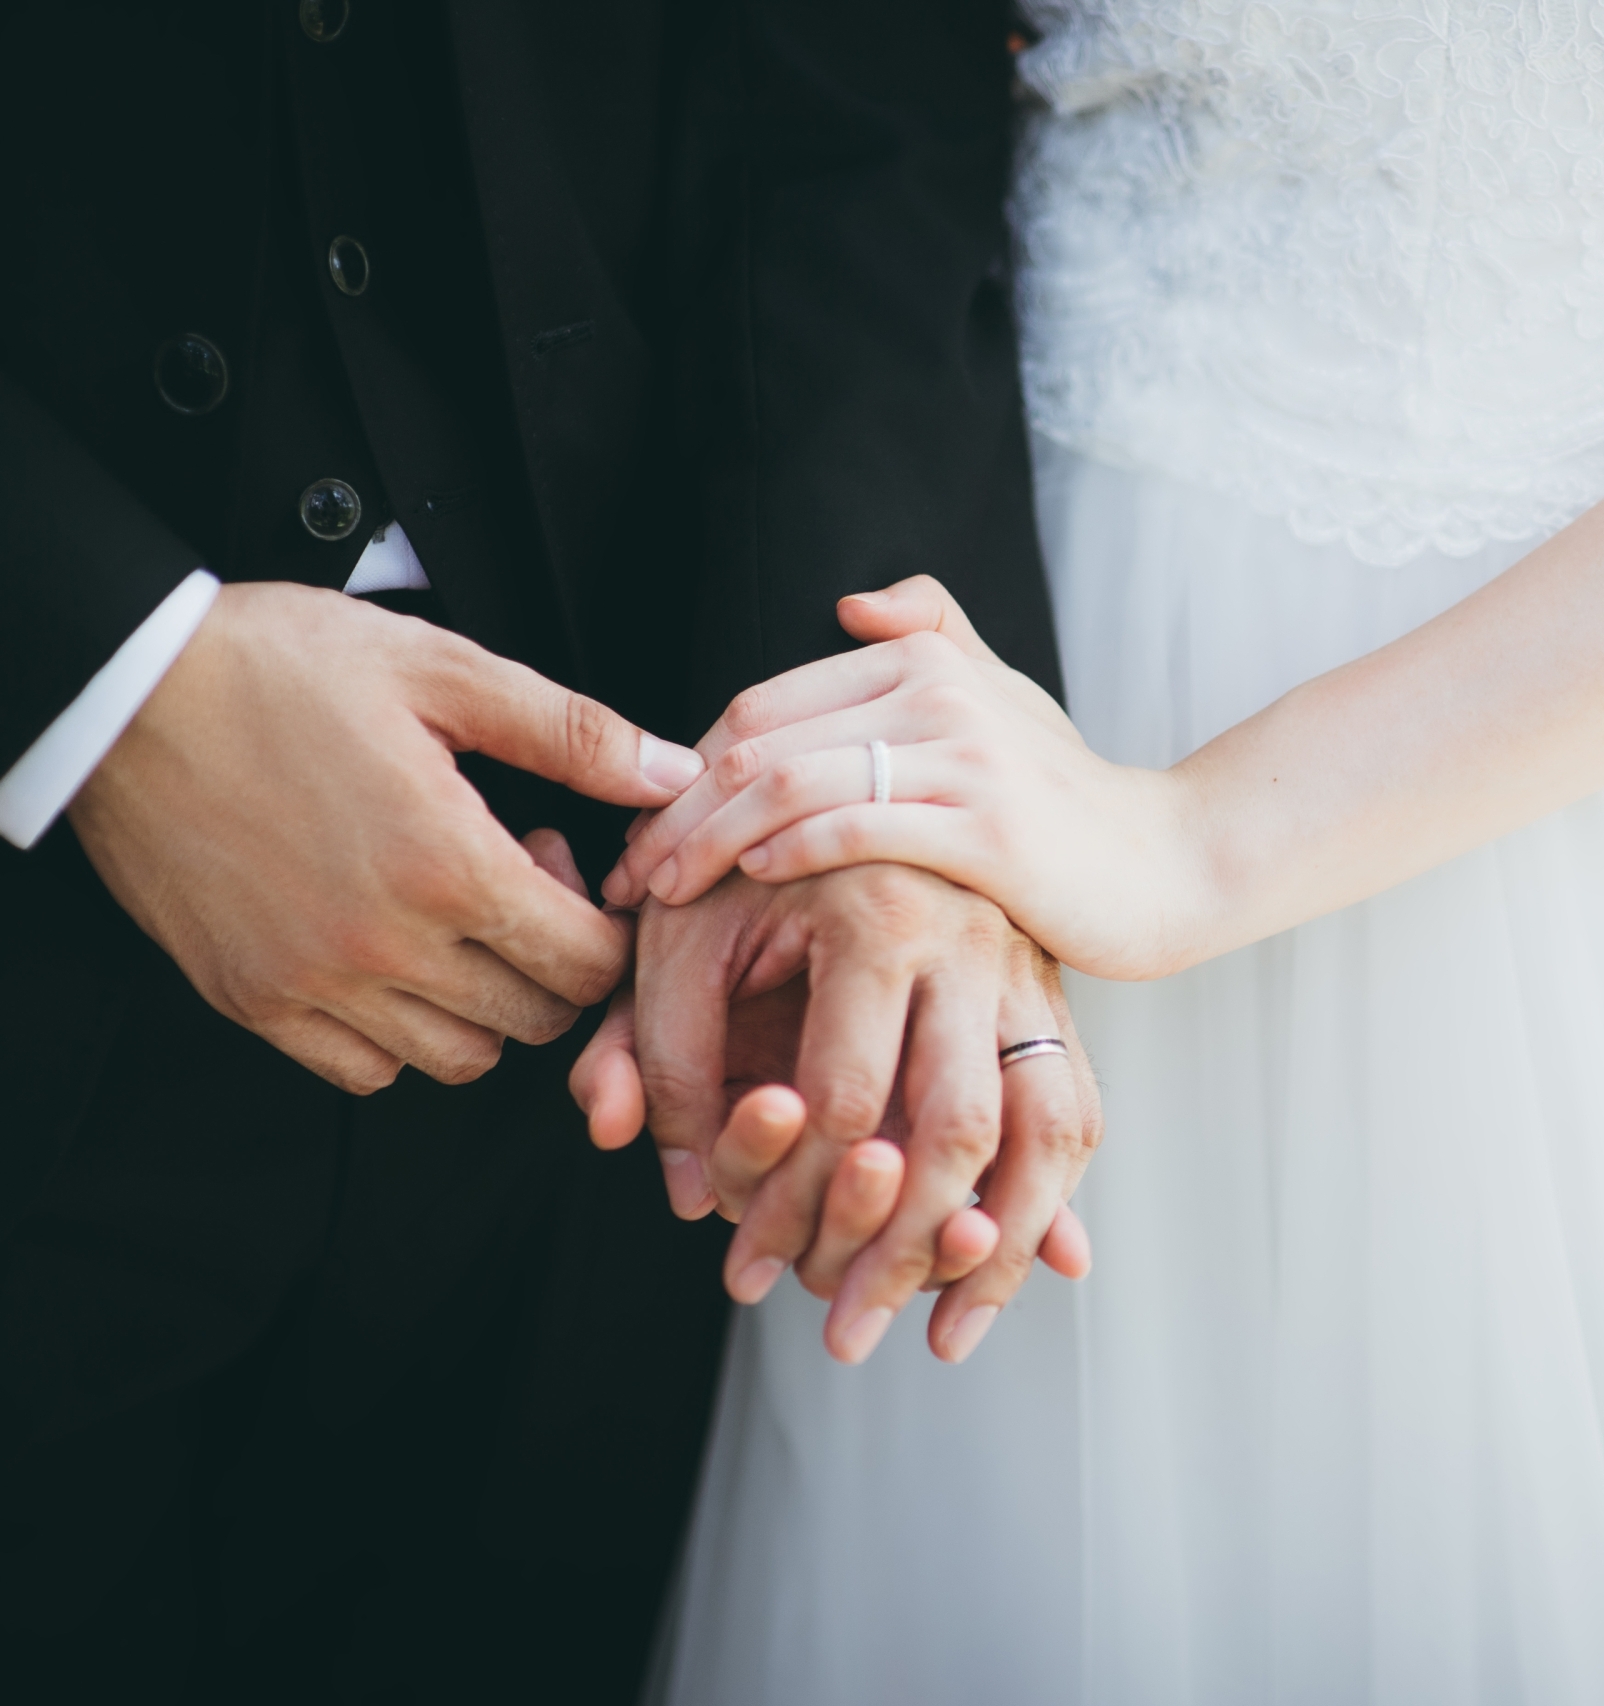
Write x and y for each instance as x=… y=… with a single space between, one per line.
x=1344 y=258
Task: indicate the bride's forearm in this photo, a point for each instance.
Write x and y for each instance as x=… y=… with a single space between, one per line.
x=1483 y=719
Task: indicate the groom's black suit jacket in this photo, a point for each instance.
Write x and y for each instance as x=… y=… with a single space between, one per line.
x=684 y=319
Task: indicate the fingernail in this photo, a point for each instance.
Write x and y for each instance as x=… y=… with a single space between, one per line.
x=669 y=766
x=756 y=1280
x=756 y=859
x=871 y=597
x=665 y=879
x=686 y=1178
x=970 y=1331
x=864 y=1334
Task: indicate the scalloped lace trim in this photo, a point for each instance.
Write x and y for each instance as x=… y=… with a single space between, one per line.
x=1345 y=260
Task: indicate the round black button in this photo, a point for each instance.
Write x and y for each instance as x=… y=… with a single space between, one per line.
x=330 y=510
x=348 y=265
x=324 y=19
x=191 y=375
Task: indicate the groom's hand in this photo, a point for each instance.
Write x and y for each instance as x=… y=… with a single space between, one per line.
x=908 y=979
x=285 y=817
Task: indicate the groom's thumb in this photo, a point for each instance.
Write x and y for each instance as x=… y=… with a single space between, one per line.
x=920 y=604
x=488 y=704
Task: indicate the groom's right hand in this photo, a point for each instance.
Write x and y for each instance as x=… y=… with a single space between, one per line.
x=285 y=817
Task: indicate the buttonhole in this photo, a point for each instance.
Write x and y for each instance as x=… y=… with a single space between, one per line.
x=562 y=337
x=435 y=505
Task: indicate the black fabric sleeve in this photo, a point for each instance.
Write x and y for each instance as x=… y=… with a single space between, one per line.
x=82 y=564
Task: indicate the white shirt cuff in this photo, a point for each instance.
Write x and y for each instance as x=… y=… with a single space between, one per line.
x=40 y=785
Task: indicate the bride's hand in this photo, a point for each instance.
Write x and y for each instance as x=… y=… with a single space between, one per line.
x=991 y=786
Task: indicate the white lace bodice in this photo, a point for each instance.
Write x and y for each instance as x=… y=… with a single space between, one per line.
x=1344 y=258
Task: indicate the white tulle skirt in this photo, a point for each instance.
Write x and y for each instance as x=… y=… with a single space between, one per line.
x=1323 y=1427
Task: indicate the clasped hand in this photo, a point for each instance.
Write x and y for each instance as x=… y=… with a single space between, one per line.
x=286 y=818
x=882 y=994
x=992 y=787
x=913 y=978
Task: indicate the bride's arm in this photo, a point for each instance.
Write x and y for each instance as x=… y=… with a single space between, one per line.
x=1483 y=719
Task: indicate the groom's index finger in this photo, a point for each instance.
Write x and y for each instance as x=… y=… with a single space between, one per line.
x=484 y=703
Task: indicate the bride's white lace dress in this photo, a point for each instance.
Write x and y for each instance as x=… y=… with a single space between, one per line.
x=1312 y=302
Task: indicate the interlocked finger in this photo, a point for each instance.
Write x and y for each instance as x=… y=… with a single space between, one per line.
x=861 y=1199
x=954 y=1104
x=1051 y=1125
x=847 y=1066
x=763 y=1127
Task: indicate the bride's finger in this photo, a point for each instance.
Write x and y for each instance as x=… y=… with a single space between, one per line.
x=861 y=1198
x=919 y=604
x=933 y=772
x=606 y=1081
x=1050 y=1128
x=831 y=684
x=903 y=718
x=1066 y=1249
x=762 y=1130
x=939 y=838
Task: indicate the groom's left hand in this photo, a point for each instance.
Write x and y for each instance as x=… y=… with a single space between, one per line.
x=908 y=979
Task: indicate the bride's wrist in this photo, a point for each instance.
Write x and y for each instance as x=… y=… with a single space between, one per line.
x=1220 y=870
x=1184 y=872
x=1144 y=905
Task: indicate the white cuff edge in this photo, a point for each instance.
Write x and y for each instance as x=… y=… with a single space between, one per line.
x=41 y=784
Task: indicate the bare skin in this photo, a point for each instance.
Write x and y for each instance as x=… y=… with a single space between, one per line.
x=910 y=986
x=286 y=818
x=1479 y=721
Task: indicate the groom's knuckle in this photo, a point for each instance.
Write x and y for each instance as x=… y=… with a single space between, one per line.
x=1010 y=1266
x=1088 y=1124
x=365 y=1076
x=967 y=1130
x=850 y=1106
x=889 y=901
x=908 y=1266
x=587 y=729
x=553 y=1019
x=595 y=977
x=667 y=1086
x=1061 y=1126
x=467 y=1059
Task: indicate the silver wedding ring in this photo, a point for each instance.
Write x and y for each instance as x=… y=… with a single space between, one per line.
x=880 y=761
x=1032 y=1045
